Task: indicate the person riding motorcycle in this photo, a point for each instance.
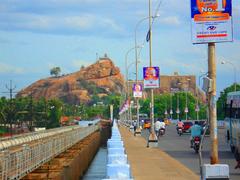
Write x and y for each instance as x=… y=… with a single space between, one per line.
x=162 y=127
x=134 y=125
x=162 y=124
x=157 y=126
x=180 y=124
x=196 y=131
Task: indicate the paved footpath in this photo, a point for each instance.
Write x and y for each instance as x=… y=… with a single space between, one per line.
x=152 y=163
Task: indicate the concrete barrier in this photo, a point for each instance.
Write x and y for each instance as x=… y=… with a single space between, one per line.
x=120 y=171
x=117 y=167
x=117 y=159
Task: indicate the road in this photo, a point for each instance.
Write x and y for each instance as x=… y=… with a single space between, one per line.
x=179 y=148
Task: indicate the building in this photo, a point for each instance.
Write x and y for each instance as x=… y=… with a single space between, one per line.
x=174 y=83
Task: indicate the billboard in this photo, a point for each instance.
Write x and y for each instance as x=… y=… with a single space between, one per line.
x=211 y=21
x=151 y=77
x=137 y=90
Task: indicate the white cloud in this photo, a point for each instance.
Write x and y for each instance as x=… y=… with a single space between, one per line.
x=85 y=22
x=171 y=20
x=6 y=68
x=90 y=21
x=74 y=1
x=107 y=22
x=59 y=24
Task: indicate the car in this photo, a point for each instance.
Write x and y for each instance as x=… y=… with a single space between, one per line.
x=186 y=126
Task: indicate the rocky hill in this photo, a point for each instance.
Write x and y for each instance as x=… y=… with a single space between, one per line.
x=99 y=79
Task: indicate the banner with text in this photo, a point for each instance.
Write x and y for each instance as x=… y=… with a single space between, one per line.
x=151 y=77
x=137 y=90
x=211 y=21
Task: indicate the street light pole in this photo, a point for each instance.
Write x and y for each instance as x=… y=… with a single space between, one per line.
x=126 y=76
x=152 y=137
x=197 y=91
x=235 y=74
x=178 y=111
x=150 y=64
x=171 y=111
x=126 y=69
x=186 y=105
x=136 y=60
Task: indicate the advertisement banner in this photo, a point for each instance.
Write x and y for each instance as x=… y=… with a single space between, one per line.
x=211 y=21
x=151 y=77
x=137 y=90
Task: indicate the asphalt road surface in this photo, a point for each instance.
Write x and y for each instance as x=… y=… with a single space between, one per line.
x=179 y=148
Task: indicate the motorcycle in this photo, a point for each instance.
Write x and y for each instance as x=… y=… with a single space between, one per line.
x=161 y=131
x=196 y=143
x=179 y=131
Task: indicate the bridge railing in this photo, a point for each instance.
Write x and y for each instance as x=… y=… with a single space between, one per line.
x=17 y=161
x=27 y=137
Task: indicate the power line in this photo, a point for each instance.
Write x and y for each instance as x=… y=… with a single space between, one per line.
x=11 y=90
x=11 y=115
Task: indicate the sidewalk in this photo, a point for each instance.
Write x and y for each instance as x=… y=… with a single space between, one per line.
x=152 y=163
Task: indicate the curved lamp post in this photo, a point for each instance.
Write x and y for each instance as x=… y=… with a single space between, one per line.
x=136 y=60
x=126 y=67
x=235 y=70
x=126 y=61
x=186 y=104
x=197 y=108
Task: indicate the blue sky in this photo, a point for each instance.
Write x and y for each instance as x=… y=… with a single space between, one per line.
x=36 y=35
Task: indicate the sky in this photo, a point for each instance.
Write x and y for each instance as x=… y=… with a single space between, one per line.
x=36 y=35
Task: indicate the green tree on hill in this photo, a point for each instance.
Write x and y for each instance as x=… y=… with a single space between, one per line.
x=55 y=71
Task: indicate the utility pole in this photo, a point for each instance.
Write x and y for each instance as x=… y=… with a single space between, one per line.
x=152 y=137
x=31 y=112
x=150 y=64
x=212 y=103
x=178 y=111
x=11 y=115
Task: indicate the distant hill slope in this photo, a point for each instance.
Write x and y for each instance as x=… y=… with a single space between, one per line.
x=99 y=79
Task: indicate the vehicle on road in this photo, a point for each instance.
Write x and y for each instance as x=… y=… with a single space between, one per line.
x=143 y=116
x=147 y=124
x=186 y=126
x=179 y=131
x=196 y=143
x=232 y=119
x=167 y=121
x=161 y=131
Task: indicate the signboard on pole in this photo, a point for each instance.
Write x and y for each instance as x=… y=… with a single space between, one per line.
x=151 y=77
x=211 y=21
x=137 y=90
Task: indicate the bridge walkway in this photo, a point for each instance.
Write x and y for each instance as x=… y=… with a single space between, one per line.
x=152 y=163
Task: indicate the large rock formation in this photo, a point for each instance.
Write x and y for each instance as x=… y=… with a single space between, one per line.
x=99 y=79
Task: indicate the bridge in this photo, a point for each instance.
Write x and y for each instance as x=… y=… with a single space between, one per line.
x=68 y=152
x=51 y=153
